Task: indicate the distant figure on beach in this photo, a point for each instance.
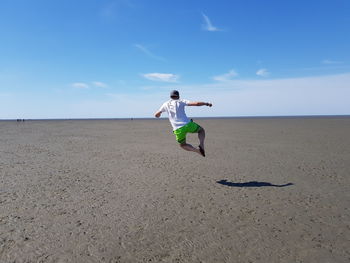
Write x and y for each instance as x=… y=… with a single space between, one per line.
x=175 y=108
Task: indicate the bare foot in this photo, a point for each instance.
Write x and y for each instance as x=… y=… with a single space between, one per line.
x=201 y=151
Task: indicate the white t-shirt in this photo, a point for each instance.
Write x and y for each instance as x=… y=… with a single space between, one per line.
x=176 y=112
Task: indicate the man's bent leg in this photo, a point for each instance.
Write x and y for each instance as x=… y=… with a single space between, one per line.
x=189 y=147
x=201 y=137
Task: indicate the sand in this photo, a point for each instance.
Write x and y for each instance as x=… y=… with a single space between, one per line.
x=269 y=190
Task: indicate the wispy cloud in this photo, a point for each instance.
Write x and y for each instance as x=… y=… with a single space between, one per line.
x=330 y=62
x=84 y=85
x=80 y=85
x=319 y=95
x=263 y=72
x=99 y=84
x=164 y=77
x=148 y=52
x=112 y=8
x=208 y=26
x=107 y=11
x=322 y=95
x=227 y=76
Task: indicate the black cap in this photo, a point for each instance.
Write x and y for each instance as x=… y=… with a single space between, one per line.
x=174 y=93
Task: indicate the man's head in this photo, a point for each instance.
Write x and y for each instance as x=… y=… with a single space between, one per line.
x=174 y=94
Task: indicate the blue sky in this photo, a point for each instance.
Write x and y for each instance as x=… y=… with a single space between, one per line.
x=120 y=58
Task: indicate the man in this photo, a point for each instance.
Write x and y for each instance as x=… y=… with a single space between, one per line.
x=182 y=125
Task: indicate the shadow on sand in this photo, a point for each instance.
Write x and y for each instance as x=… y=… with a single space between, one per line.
x=251 y=184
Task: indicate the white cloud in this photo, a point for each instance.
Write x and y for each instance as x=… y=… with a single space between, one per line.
x=262 y=72
x=80 y=85
x=321 y=95
x=164 y=77
x=227 y=76
x=100 y=84
x=208 y=26
x=147 y=52
x=83 y=85
x=330 y=62
x=326 y=95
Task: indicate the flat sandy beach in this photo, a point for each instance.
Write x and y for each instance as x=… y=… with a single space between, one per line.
x=269 y=190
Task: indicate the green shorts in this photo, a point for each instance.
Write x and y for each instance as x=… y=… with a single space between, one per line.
x=180 y=133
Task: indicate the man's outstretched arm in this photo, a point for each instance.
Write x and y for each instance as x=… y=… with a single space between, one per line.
x=157 y=114
x=199 y=103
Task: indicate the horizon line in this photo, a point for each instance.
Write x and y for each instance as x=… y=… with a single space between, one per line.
x=205 y=117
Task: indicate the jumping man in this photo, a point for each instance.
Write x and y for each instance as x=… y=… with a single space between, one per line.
x=181 y=123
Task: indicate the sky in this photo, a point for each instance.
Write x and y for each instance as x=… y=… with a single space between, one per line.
x=121 y=58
